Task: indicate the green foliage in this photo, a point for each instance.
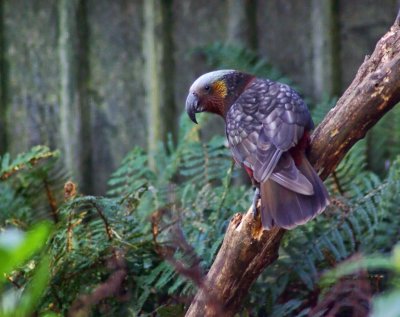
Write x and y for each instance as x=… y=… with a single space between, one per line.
x=16 y=248
x=363 y=218
x=319 y=111
x=384 y=142
x=190 y=197
x=143 y=248
x=97 y=237
x=26 y=183
x=23 y=160
x=386 y=304
x=198 y=209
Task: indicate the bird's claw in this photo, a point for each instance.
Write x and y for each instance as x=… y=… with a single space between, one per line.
x=255 y=200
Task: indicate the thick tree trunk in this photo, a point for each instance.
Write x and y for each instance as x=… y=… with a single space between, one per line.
x=242 y=23
x=326 y=48
x=158 y=72
x=247 y=249
x=69 y=107
x=29 y=80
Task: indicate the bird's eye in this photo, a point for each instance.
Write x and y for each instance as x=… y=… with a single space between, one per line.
x=207 y=88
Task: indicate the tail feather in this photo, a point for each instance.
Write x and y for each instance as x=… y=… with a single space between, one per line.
x=287 y=209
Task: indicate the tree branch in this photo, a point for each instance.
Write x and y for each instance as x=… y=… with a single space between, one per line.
x=247 y=249
x=373 y=92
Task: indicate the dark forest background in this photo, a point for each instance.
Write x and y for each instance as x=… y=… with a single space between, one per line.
x=95 y=78
x=113 y=203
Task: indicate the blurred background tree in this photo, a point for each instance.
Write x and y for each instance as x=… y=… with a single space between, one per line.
x=96 y=79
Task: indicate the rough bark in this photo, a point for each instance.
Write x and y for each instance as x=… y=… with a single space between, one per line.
x=373 y=92
x=247 y=249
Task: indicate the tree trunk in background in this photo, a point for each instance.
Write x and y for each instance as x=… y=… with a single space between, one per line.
x=3 y=86
x=75 y=113
x=152 y=50
x=284 y=37
x=81 y=79
x=95 y=78
x=158 y=74
x=114 y=91
x=242 y=23
x=326 y=48
x=69 y=107
x=30 y=34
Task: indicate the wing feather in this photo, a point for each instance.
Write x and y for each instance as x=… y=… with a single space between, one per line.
x=287 y=175
x=265 y=121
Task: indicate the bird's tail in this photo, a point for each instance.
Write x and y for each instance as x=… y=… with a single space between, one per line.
x=287 y=209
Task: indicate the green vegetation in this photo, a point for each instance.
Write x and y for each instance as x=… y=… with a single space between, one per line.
x=142 y=249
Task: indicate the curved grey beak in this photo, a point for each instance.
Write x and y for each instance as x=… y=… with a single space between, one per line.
x=192 y=104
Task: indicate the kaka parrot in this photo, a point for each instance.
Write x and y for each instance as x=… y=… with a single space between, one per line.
x=267 y=125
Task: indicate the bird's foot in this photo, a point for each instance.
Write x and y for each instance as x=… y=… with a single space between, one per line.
x=256 y=197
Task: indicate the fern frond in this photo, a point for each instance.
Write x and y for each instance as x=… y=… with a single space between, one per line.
x=384 y=142
x=23 y=161
x=320 y=109
x=38 y=180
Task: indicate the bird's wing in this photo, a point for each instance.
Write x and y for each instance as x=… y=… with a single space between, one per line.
x=289 y=176
x=266 y=120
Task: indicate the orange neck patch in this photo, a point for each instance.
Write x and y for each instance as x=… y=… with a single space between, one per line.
x=220 y=88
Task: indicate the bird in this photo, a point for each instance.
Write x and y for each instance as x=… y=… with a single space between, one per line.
x=268 y=127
